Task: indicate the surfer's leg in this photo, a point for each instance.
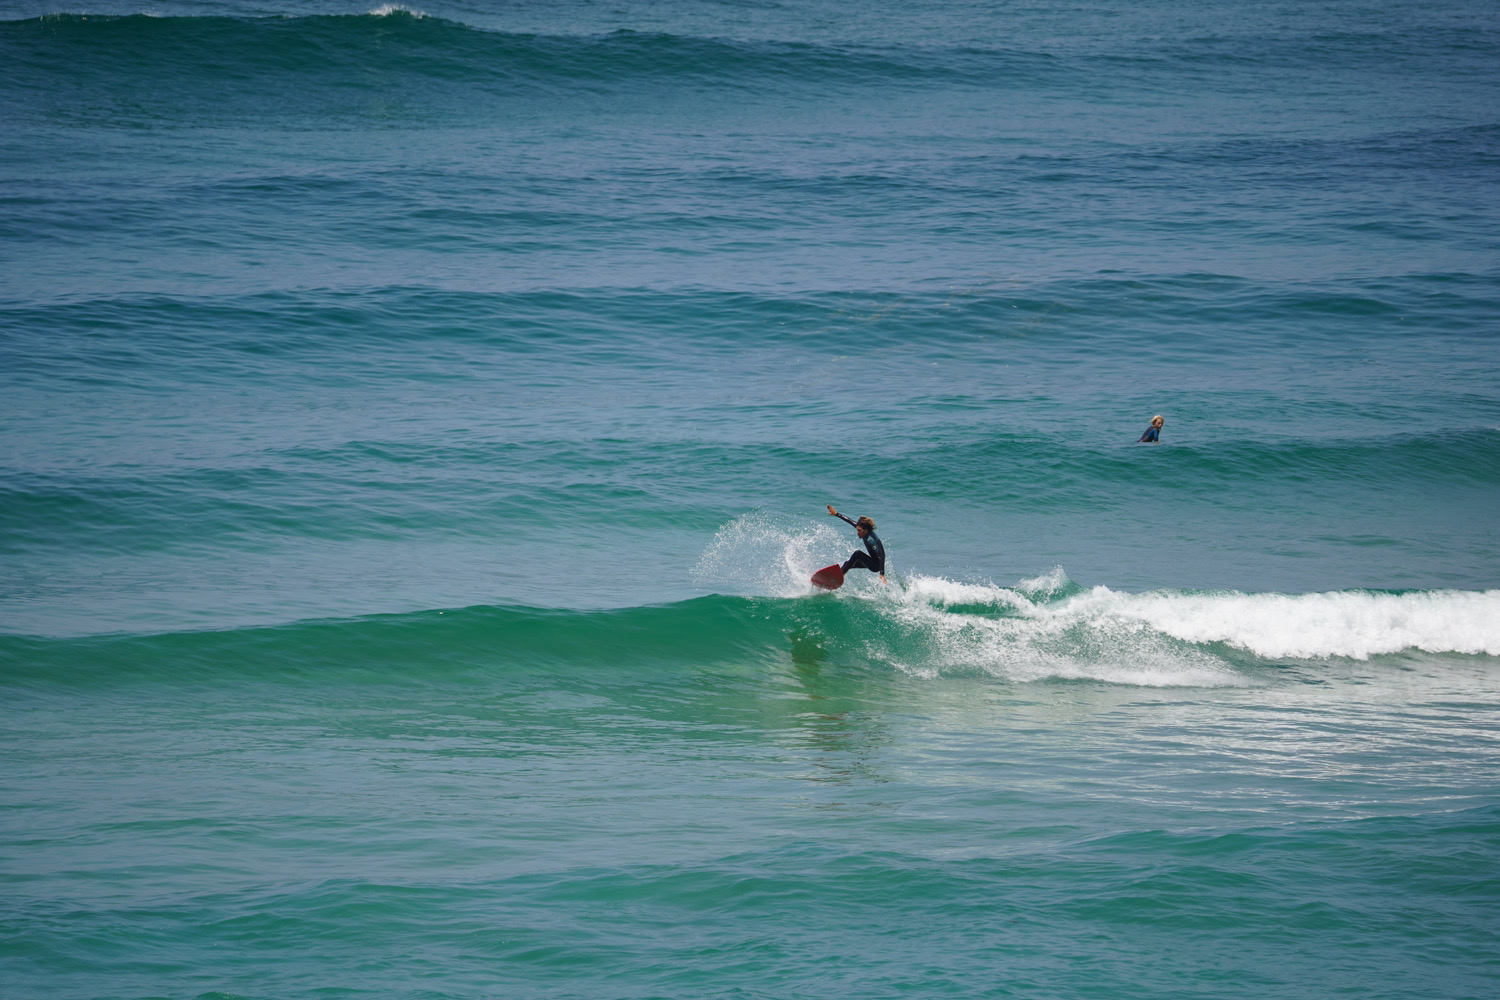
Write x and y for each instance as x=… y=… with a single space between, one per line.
x=859 y=560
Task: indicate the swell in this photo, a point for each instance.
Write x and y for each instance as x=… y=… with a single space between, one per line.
x=1237 y=467
x=171 y=66
x=1049 y=629
x=1082 y=316
x=370 y=488
x=373 y=50
x=422 y=647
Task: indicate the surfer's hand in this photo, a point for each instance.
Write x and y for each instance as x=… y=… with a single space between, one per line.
x=882 y=578
x=832 y=511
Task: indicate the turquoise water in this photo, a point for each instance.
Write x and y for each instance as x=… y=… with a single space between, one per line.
x=415 y=438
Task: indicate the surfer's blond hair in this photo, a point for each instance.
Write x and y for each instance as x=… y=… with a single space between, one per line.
x=866 y=523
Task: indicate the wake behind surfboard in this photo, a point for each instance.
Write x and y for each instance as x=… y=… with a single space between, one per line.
x=829 y=577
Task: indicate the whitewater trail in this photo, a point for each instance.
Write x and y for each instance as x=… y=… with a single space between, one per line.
x=1049 y=627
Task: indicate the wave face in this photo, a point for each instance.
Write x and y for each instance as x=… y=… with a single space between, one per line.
x=403 y=65
x=1047 y=629
x=187 y=69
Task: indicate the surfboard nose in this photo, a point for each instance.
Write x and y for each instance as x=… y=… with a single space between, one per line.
x=829 y=577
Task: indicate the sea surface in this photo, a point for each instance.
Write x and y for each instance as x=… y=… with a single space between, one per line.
x=416 y=427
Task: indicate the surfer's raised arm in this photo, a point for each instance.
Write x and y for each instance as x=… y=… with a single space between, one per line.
x=841 y=517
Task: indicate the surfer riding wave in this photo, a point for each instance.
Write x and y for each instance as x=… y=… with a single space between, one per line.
x=873 y=558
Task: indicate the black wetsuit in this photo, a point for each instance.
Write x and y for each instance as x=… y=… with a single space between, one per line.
x=1152 y=436
x=872 y=559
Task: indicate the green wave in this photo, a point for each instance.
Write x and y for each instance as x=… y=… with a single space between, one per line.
x=1053 y=630
x=416 y=647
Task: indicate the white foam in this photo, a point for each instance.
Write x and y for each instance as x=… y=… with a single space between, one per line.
x=387 y=9
x=1354 y=624
x=936 y=591
x=764 y=554
x=1050 y=582
x=1025 y=632
x=1027 y=641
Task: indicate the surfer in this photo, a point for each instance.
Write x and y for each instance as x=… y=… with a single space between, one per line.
x=1153 y=433
x=873 y=558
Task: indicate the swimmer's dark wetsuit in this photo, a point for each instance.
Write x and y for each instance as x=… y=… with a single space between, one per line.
x=1152 y=436
x=872 y=559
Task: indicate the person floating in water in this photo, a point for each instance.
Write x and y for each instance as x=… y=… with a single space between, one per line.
x=873 y=558
x=1153 y=433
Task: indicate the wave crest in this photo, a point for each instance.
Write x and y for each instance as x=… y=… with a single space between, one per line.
x=1352 y=624
x=925 y=627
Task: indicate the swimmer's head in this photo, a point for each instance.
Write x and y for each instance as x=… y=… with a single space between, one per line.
x=864 y=526
x=1157 y=420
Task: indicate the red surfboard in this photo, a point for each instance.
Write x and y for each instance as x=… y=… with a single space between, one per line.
x=829 y=577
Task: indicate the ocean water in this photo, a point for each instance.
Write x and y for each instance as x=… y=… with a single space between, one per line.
x=415 y=432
